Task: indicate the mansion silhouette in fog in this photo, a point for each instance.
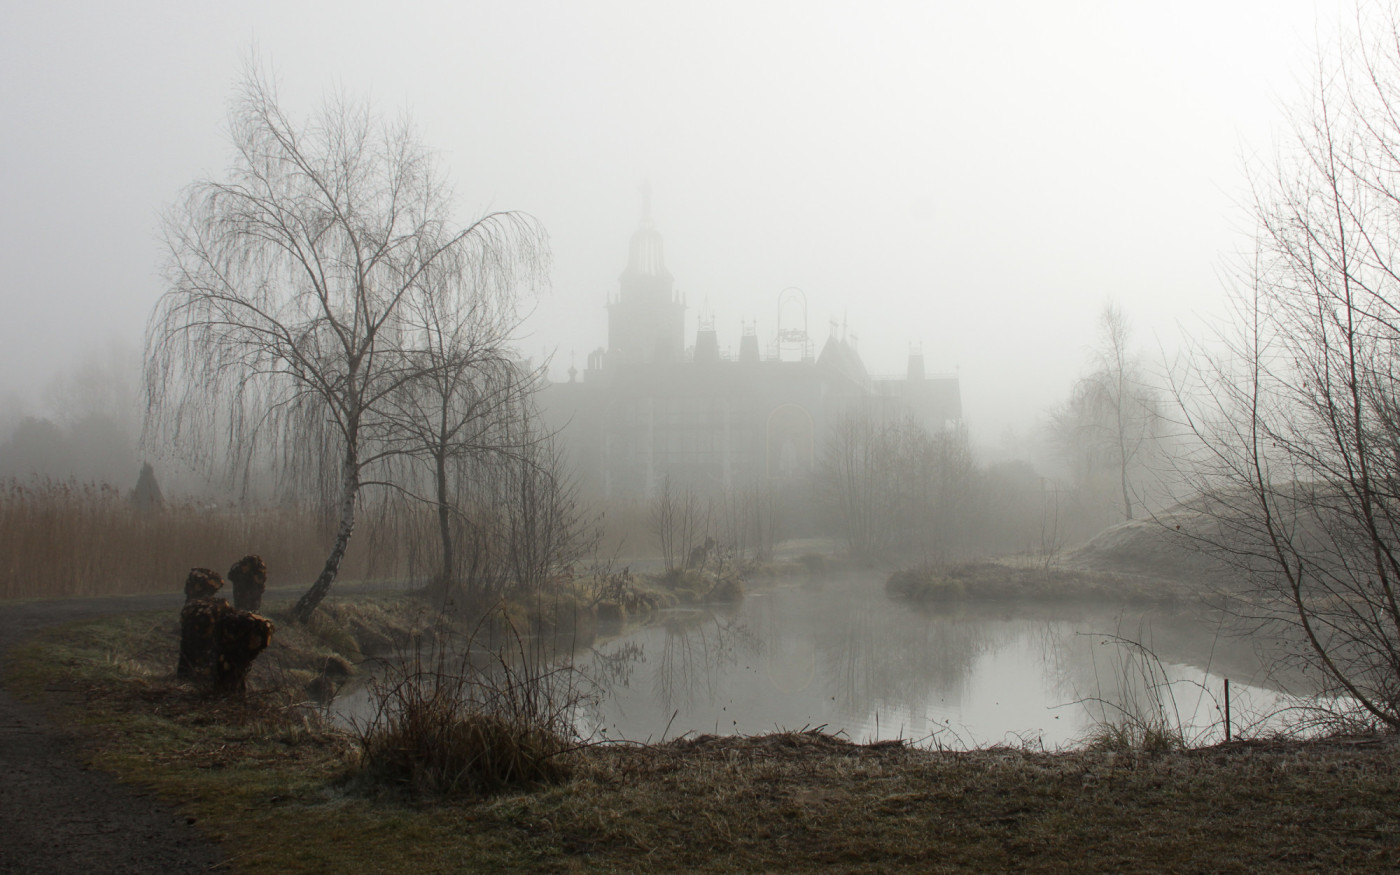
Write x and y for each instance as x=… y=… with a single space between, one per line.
x=648 y=407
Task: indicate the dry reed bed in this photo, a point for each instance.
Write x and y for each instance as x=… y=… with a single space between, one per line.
x=61 y=539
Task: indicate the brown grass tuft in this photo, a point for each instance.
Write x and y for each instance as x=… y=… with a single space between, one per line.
x=446 y=724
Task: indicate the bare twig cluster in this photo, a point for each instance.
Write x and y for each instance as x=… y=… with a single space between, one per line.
x=1299 y=422
x=891 y=485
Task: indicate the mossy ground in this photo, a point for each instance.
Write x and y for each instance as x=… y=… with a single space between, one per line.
x=280 y=792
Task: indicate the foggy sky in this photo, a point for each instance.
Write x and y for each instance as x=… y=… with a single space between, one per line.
x=976 y=178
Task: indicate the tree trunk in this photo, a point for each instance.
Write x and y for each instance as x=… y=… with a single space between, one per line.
x=444 y=520
x=1127 y=499
x=307 y=604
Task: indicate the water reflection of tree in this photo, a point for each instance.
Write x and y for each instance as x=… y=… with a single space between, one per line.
x=695 y=647
x=612 y=669
x=1212 y=640
x=841 y=652
x=874 y=659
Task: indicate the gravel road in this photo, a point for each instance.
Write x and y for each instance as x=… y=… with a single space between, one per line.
x=56 y=815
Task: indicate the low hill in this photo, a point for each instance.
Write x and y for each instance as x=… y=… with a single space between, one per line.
x=1176 y=545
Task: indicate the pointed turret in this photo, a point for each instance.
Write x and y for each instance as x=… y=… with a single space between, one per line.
x=748 y=345
x=647 y=321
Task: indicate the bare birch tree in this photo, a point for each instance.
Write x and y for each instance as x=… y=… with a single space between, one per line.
x=470 y=396
x=1112 y=420
x=1299 y=422
x=283 y=329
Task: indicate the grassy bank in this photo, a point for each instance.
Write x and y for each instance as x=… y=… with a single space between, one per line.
x=1006 y=581
x=281 y=792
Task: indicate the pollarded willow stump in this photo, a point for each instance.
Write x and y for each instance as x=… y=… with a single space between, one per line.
x=239 y=637
x=249 y=578
x=199 y=624
x=218 y=642
x=202 y=583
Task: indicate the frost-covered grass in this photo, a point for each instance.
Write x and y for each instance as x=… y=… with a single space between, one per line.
x=277 y=791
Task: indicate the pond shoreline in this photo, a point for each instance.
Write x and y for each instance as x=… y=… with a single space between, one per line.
x=1006 y=581
x=277 y=794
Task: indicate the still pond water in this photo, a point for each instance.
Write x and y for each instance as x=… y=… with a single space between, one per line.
x=839 y=654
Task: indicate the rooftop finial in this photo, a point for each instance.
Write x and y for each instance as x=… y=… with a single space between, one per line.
x=646 y=202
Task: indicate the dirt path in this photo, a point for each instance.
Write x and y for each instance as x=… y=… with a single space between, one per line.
x=57 y=816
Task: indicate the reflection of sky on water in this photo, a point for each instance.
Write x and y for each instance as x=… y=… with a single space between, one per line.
x=841 y=655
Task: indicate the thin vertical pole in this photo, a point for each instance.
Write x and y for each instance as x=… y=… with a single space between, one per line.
x=1227 y=709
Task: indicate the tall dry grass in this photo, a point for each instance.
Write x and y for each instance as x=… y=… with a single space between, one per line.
x=62 y=539
x=1138 y=709
x=465 y=718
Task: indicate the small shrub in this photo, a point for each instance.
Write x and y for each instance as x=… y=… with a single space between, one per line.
x=436 y=750
x=727 y=589
x=685 y=581
x=619 y=594
x=444 y=725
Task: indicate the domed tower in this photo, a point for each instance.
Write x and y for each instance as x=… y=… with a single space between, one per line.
x=646 y=321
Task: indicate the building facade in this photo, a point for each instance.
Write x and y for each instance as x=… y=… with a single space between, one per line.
x=647 y=408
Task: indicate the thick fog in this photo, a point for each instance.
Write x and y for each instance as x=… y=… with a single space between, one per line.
x=978 y=179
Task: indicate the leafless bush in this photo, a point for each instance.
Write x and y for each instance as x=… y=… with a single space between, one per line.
x=680 y=523
x=1299 y=420
x=445 y=723
x=891 y=485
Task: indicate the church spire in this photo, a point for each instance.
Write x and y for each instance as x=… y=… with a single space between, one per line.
x=646 y=322
x=647 y=255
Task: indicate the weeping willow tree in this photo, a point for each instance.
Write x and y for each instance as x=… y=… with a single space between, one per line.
x=296 y=286
x=470 y=404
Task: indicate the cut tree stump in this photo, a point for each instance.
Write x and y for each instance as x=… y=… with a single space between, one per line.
x=249 y=578
x=218 y=642
x=240 y=637
x=199 y=622
x=202 y=583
